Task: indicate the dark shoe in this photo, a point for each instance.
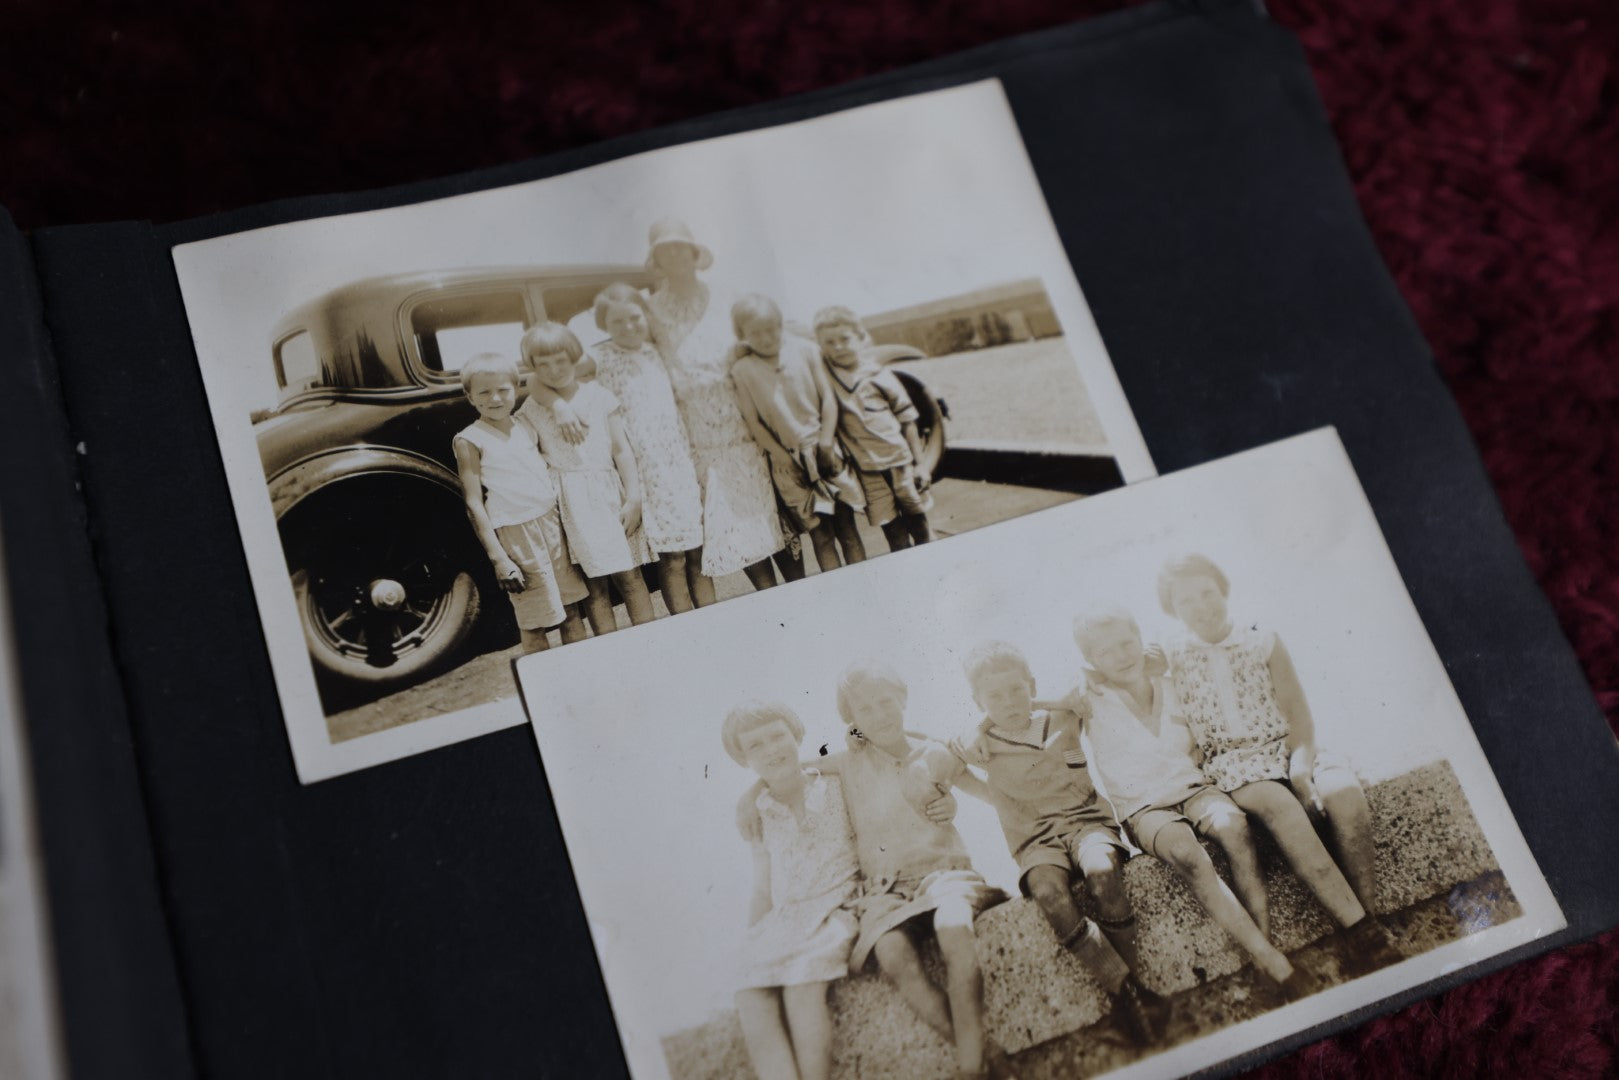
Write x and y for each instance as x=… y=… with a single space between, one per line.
x=1141 y=1013
x=1368 y=948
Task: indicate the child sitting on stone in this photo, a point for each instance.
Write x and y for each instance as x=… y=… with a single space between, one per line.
x=801 y=923
x=917 y=876
x=1141 y=753
x=1246 y=707
x=1055 y=825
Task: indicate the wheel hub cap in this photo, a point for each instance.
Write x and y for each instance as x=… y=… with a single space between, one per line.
x=387 y=594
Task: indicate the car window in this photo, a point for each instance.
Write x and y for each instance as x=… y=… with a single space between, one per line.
x=297 y=368
x=450 y=330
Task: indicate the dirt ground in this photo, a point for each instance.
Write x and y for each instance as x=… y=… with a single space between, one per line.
x=959 y=506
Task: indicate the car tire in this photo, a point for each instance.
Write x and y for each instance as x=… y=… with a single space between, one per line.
x=425 y=634
x=930 y=422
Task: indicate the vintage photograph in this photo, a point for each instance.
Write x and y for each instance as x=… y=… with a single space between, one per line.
x=466 y=430
x=1136 y=785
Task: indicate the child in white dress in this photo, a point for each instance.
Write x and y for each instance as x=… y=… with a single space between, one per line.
x=513 y=506
x=805 y=881
x=599 y=485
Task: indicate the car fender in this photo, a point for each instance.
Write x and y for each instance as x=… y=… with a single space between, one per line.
x=316 y=472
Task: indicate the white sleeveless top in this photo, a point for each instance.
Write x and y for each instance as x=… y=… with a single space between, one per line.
x=516 y=482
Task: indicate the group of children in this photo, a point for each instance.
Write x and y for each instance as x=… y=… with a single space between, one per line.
x=592 y=476
x=855 y=854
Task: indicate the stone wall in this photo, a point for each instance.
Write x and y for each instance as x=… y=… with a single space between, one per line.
x=1428 y=842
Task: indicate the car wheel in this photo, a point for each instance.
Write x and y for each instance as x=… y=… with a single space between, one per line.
x=376 y=627
x=930 y=422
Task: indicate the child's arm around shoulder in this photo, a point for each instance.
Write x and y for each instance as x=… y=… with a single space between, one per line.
x=573 y=428
x=469 y=466
x=970 y=750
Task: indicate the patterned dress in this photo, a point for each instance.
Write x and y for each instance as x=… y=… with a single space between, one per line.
x=1230 y=705
x=672 y=510
x=806 y=934
x=740 y=523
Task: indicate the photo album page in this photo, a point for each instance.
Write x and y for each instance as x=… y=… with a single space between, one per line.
x=977 y=748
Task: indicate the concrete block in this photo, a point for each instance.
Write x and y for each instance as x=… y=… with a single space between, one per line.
x=1034 y=991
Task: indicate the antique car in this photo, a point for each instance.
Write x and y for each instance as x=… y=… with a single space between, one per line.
x=390 y=582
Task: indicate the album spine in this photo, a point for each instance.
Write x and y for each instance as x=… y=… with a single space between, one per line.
x=118 y=999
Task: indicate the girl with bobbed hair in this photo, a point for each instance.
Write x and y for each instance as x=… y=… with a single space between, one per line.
x=1246 y=707
x=801 y=921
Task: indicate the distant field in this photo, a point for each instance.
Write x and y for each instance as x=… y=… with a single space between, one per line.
x=1024 y=393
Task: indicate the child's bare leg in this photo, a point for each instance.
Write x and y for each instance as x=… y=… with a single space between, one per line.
x=534 y=640
x=599 y=606
x=1177 y=846
x=1273 y=803
x=898 y=961
x=848 y=534
x=1103 y=869
x=809 y=1021
x=764 y=1033
x=700 y=584
x=790 y=563
x=573 y=627
x=964 y=982
x=1350 y=817
x=1049 y=885
x=825 y=543
x=897 y=535
x=760 y=575
x=637 y=601
x=672 y=581
x=921 y=531
x=1228 y=826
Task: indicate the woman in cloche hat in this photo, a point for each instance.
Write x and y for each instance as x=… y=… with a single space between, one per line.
x=692 y=330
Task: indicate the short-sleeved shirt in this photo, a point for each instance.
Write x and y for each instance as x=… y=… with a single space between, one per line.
x=783 y=391
x=1037 y=779
x=886 y=798
x=1138 y=768
x=873 y=407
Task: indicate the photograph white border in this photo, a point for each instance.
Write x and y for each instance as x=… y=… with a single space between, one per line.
x=237 y=287
x=1300 y=489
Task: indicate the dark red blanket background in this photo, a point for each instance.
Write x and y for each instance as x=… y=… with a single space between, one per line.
x=1483 y=138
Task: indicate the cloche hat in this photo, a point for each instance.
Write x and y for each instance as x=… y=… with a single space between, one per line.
x=675 y=231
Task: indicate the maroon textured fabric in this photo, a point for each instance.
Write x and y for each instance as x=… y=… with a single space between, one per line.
x=1483 y=138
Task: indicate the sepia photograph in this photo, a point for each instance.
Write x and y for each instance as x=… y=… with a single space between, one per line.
x=1131 y=786
x=463 y=431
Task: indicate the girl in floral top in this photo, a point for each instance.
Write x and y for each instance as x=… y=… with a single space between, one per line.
x=672 y=513
x=1246 y=708
x=801 y=919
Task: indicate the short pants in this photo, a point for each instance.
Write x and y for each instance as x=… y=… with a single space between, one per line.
x=550 y=580
x=1066 y=849
x=892 y=492
x=807 y=503
x=1201 y=809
